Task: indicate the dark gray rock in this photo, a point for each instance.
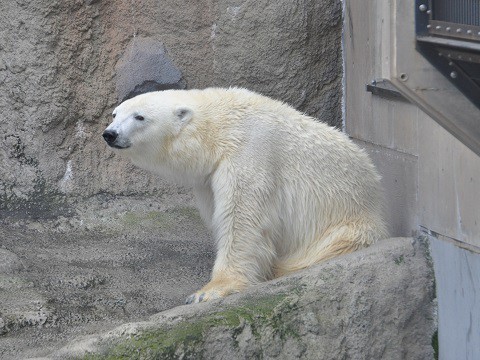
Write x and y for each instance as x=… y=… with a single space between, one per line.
x=145 y=66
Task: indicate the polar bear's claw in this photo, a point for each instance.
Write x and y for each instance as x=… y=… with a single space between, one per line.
x=196 y=298
x=203 y=296
x=190 y=299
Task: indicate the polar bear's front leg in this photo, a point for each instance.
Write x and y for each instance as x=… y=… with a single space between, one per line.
x=245 y=251
x=242 y=260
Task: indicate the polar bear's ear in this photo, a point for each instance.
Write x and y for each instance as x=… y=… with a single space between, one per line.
x=184 y=114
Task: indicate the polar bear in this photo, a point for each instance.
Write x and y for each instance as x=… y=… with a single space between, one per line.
x=279 y=190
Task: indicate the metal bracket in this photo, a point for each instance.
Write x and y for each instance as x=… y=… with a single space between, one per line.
x=385 y=89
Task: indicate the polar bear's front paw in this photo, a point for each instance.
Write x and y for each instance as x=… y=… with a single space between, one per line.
x=216 y=289
x=202 y=296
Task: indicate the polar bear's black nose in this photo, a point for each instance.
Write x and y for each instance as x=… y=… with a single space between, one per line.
x=110 y=136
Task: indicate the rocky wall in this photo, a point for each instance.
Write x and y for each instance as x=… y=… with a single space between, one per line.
x=65 y=65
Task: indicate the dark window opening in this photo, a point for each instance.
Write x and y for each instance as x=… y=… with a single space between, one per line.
x=448 y=35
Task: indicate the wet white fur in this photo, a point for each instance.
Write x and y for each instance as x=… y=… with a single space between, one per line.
x=279 y=190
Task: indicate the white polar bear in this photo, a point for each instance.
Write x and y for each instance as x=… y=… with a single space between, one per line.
x=279 y=190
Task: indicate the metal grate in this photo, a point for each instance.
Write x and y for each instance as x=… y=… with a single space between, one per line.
x=465 y=12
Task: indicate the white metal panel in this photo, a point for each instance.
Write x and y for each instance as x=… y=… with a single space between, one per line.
x=457 y=274
x=448 y=185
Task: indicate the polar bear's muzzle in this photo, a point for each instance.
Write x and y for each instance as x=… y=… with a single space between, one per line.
x=113 y=140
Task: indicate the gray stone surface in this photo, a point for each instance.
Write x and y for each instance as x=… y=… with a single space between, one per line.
x=64 y=65
x=117 y=259
x=377 y=303
x=287 y=50
x=9 y=262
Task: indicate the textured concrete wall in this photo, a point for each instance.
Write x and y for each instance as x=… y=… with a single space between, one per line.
x=65 y=65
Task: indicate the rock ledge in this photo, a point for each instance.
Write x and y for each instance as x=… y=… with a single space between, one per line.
x=377 y=303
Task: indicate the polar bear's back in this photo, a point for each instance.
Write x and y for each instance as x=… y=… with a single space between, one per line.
x=317 y=177
x=276 y=133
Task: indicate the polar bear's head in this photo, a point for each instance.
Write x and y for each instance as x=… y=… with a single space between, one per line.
x=146 y=121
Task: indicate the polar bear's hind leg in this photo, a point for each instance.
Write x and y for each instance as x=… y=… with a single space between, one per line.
x=337 y=241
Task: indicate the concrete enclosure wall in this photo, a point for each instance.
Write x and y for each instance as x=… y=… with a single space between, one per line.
x=65 y=65
x=431 y=178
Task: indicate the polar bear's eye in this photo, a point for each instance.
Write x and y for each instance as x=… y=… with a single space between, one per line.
x=139 y=117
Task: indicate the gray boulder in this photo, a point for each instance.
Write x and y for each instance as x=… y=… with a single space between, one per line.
x=377 y=303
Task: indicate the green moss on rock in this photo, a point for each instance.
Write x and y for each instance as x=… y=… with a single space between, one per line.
x=159 y=219
x=435 y=344
x=185 y=339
